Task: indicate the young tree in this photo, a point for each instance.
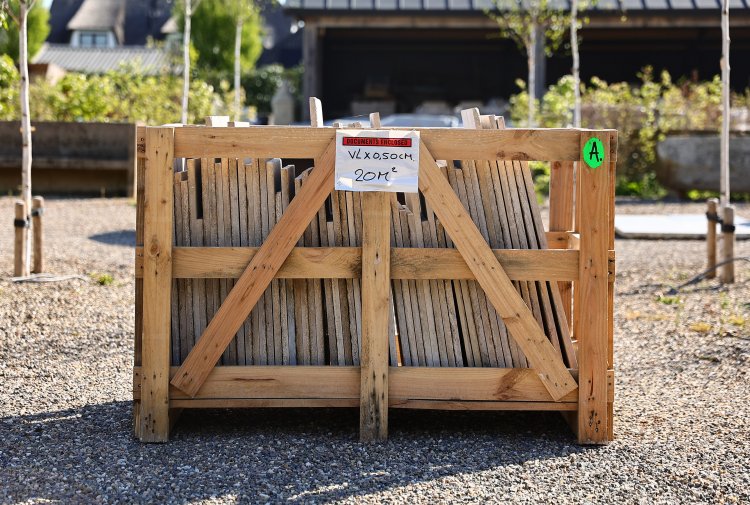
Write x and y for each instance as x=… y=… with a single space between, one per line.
x=18 y=11
x=37 y=20
x=576 y=64
x=214 y=40
x=187 y=14
x=726 y=108
x=530 y=23
x=241 y=10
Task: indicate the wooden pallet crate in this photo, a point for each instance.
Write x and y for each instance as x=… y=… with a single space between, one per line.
x=580 y=260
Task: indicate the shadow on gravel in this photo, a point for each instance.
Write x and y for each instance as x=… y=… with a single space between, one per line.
x=260 y=455
x=121 y=237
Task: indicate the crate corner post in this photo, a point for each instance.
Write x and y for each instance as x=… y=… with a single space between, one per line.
x=592 y=307
x=153 y=413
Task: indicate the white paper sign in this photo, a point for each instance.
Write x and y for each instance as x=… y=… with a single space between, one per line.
x=377 y=160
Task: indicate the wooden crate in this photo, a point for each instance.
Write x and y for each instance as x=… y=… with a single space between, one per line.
x=580 y=259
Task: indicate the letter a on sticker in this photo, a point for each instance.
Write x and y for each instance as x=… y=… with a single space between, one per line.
x=593 y=153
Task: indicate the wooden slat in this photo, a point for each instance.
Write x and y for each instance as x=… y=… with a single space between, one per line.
x=257 y=276
x=492 y=278
x=561 y=215
x=343 y=382
x=196 y=240
x=157 y=267
x=269 y=403
x=592 y=294
x=444 y=143
x=376 y=288
x=231 y=403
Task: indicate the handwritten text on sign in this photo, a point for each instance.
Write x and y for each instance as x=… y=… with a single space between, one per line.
x=377 y=160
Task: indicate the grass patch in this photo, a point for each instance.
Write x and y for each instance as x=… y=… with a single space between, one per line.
x=103 y=279
x=668 y=300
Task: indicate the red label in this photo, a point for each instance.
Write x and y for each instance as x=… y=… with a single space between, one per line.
x=376 y=142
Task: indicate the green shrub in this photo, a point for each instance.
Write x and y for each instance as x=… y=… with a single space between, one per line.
x=261 y=84
x=641 y=113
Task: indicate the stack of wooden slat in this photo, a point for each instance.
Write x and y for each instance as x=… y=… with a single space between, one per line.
x=437 y=323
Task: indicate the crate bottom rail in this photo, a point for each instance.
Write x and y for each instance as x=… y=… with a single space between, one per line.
x=339 y=386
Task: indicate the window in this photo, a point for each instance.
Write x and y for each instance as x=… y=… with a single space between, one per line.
x=93 y=39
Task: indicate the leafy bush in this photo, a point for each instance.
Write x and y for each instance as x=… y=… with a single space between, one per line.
x=126 y=95
x=261 y=84
x=8 y=88
x=642 y=114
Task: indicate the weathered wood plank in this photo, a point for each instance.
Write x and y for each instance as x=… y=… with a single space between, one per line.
x=157 y=268
x=591 y=310
x=376 y=289
x=444 y=143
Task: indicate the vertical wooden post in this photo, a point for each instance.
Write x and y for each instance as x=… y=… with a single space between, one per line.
x=591 y=311
x=376 y=289
x=727 y=245
x=20 y=266
x=37 y=209
x=561 y=215
x=157 y=284
x=712 y=217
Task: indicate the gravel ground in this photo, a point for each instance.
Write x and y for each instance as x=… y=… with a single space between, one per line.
x=681 y=415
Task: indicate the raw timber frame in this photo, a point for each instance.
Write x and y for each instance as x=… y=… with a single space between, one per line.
x=581 y=259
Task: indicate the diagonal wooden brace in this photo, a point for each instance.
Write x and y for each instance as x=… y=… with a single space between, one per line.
x=257 y=276
x=492 y=278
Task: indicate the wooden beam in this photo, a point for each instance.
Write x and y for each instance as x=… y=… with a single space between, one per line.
x=492 y=278
x=511 y=385
x=591 y=310
x=443 y=143
x=484 y=405
x=157 y=286
x=376 y=290
x=258 y=275
x=346 y=263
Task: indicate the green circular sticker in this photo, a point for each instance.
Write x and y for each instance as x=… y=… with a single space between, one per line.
x=593 y=153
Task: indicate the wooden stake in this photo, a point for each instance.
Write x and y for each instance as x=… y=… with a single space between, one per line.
x=712 y=217
x=20 y=267
x=727 y=245
x=157 y=280
x=376 y=288
x=37 y=209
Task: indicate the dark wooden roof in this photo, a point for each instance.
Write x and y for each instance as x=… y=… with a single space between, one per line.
x=469 y=6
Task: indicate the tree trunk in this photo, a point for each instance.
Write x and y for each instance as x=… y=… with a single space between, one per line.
x=726 y=108
x=576 y=64
x=186 y=60
x=25 y=129
x=531 y=58
x=237 y=47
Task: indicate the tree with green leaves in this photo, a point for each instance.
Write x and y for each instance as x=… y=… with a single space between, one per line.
x=214 y=39
x=18 y=11
x=38 y=29
x=530 y=23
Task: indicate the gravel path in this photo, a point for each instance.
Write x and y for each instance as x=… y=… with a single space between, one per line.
x=682 y=410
